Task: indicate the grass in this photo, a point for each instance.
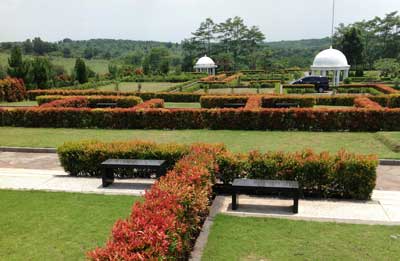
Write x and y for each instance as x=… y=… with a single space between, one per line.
x=133 y=86
x=236 y=238
x=390 y=139
x=56 y=226
x=21 y=103
x=237 y=141
x=97 y=65
x=195 y=105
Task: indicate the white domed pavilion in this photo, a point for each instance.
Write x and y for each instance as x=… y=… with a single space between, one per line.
x=331 y=60
x=205 y=65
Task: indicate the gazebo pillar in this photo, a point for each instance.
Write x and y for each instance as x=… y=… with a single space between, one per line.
x=346 y=74
x=337 y=78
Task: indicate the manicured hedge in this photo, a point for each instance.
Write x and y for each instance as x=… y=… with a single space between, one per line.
x=166 y=96
x=303 y=101
x=84 y=158
x=12 y=90
x=165 y=225
x=253 y=103
x=121 y=101
x=220 y=101
x=239 y=119
x=379 y=87
x=72 y=102
x=340 y=175
x=150 y=104
x=364 y=102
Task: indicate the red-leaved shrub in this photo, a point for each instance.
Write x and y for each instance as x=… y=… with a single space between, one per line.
x=150 y=104
x=12 y=90
x=74 y=102
x=253 y=103
x=165 y=224
x=364 y=102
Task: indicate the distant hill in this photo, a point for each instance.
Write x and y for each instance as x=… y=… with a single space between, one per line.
x=301 y=44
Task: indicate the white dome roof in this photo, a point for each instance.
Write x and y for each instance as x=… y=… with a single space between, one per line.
x=330 y=58
x=205 y=62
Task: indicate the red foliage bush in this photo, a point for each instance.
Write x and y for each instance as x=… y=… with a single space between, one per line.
x=364 y=102
x=75 y=102
x=121 y=101
x=164 y=226
x=253 y=103
x=379 y=87
x=150 y=104
x=12 y=90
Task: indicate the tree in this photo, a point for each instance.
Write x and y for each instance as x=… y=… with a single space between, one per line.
x=41 y=72
x=81 y=73
x=67 y=52
x=17 y=67
x=40 y=47
x=352 y=46
x=3 y=73
x=164 y=66
x=388 y=67
x=205 y=34
x=28 y=46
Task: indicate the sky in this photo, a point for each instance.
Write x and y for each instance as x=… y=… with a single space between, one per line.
x=174 y=20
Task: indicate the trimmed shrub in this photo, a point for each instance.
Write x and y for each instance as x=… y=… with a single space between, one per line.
x=121 y=101
x=364 y=102
x=12 y=90
x=341 y=175
x=303 y=101
x=84 y=158
x=379 y=87
x=253 y=103
x=150 y=104
x=166 y=96
x=74 y=102
x=220 y=101
x=165 y=225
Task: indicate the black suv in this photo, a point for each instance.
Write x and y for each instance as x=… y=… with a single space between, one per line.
x=321 y=83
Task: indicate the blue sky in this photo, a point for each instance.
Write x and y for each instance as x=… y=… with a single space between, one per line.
x=174 y=20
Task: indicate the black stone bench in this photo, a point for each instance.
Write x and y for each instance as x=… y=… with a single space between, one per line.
x=156 y=166
x=106 y=104
x=286 y=105
x=234 y=105
x=251 y=186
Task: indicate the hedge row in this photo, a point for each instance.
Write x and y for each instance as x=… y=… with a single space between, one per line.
x=165 y=225
x=303 y=101
x=264 y=119
x=150 y=104
x=166 y=96
x=92 y=101
x=12 y=90
x=379 y=87
x=69 y=102
x=84 y=158
x=253 y=103
x=341 y=175
x=220 y=101
x=297 y=86
x=364 y=102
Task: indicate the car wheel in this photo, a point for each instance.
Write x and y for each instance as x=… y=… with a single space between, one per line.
x=320 y=90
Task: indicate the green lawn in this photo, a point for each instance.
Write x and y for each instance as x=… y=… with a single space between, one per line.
x=97 y=65
x=56 y=226
x=235 y=238
x=238 y=141
x=195 y=105
x=133 y=86
x=22 y=103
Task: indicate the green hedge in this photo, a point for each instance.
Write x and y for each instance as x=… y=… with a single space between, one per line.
x=121 y=101
x=220 y=101
x=166 y=96
x=341 y=175
x=84 y=158
x=303 y=101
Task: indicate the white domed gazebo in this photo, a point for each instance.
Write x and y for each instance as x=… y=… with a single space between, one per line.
x=205 y=65
x=331 y=60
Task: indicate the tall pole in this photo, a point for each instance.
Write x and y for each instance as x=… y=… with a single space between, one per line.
x=333 y=21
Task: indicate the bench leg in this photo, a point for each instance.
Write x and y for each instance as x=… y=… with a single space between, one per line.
x=108 y=177
x=296 y=203
x=235 y=199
